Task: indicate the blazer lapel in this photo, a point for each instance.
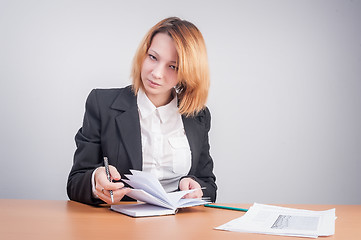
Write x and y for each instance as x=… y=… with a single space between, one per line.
x=129 y=126
x=194 y=132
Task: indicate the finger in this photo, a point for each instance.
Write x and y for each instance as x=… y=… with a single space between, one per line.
x=198 y=194
x=103 y=195
x=101 y=177
x=120 y=193
x=184 y=184
x=117 y=195
x=189 y=195
x=102 y=182
x=102 y=191
x=112 y=186
x=114 y=174
x=193 y=184
x=195 y=194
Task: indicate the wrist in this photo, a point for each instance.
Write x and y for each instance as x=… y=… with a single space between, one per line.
x=93 y=183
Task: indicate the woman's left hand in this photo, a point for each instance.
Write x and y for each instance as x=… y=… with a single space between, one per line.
x=189 y=183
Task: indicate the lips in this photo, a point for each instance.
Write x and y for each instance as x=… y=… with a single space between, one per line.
x=153 y=84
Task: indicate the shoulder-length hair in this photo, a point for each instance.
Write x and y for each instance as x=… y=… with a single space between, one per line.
x=192 y=62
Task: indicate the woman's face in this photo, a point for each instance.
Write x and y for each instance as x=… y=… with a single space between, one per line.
x=159 y=69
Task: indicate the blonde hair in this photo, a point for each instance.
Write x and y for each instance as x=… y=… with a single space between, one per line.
x=193 y=71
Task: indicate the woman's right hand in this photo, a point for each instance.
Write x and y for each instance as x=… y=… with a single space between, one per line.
x=103 y=186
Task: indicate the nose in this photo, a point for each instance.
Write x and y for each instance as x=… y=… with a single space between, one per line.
x=157 y=71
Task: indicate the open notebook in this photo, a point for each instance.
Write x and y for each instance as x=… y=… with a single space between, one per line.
x=155 y=200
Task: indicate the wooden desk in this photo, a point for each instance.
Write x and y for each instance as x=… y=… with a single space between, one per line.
x=38 y=219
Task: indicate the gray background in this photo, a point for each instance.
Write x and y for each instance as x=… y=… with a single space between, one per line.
x=285 y=91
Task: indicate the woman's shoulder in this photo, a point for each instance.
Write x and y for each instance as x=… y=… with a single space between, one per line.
x=203 y=118
x=109 y=96
x=203 y=114
x=109 y=92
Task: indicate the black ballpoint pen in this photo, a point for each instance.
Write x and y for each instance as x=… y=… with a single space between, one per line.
x=106 y=165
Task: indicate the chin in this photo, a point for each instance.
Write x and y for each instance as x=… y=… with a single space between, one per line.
x=151 y=90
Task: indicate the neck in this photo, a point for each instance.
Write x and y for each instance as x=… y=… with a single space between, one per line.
x=159 y=101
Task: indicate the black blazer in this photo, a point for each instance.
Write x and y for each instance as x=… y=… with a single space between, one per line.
x=111 y=128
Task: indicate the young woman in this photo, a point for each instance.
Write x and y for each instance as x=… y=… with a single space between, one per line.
x=160 y=124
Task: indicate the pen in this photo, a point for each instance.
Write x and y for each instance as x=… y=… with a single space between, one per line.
x=106 y=165
x=225 y=207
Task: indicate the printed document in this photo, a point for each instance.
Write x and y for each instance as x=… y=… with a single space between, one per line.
x=268 y=219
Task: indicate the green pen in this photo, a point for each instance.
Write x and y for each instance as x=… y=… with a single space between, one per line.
x=225 y=207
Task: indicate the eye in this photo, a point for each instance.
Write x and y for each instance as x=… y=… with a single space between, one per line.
x=152 y=57
x=173 y=67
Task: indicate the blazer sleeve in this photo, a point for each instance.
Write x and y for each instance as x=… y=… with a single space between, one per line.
x=88 y=154
x=203 y=172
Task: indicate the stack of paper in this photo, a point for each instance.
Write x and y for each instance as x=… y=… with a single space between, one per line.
x=148 y=189
x=276 y=220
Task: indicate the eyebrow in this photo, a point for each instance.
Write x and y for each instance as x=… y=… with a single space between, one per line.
x=155 y=53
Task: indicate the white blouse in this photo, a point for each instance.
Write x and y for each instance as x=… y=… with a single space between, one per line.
x=165 y=147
